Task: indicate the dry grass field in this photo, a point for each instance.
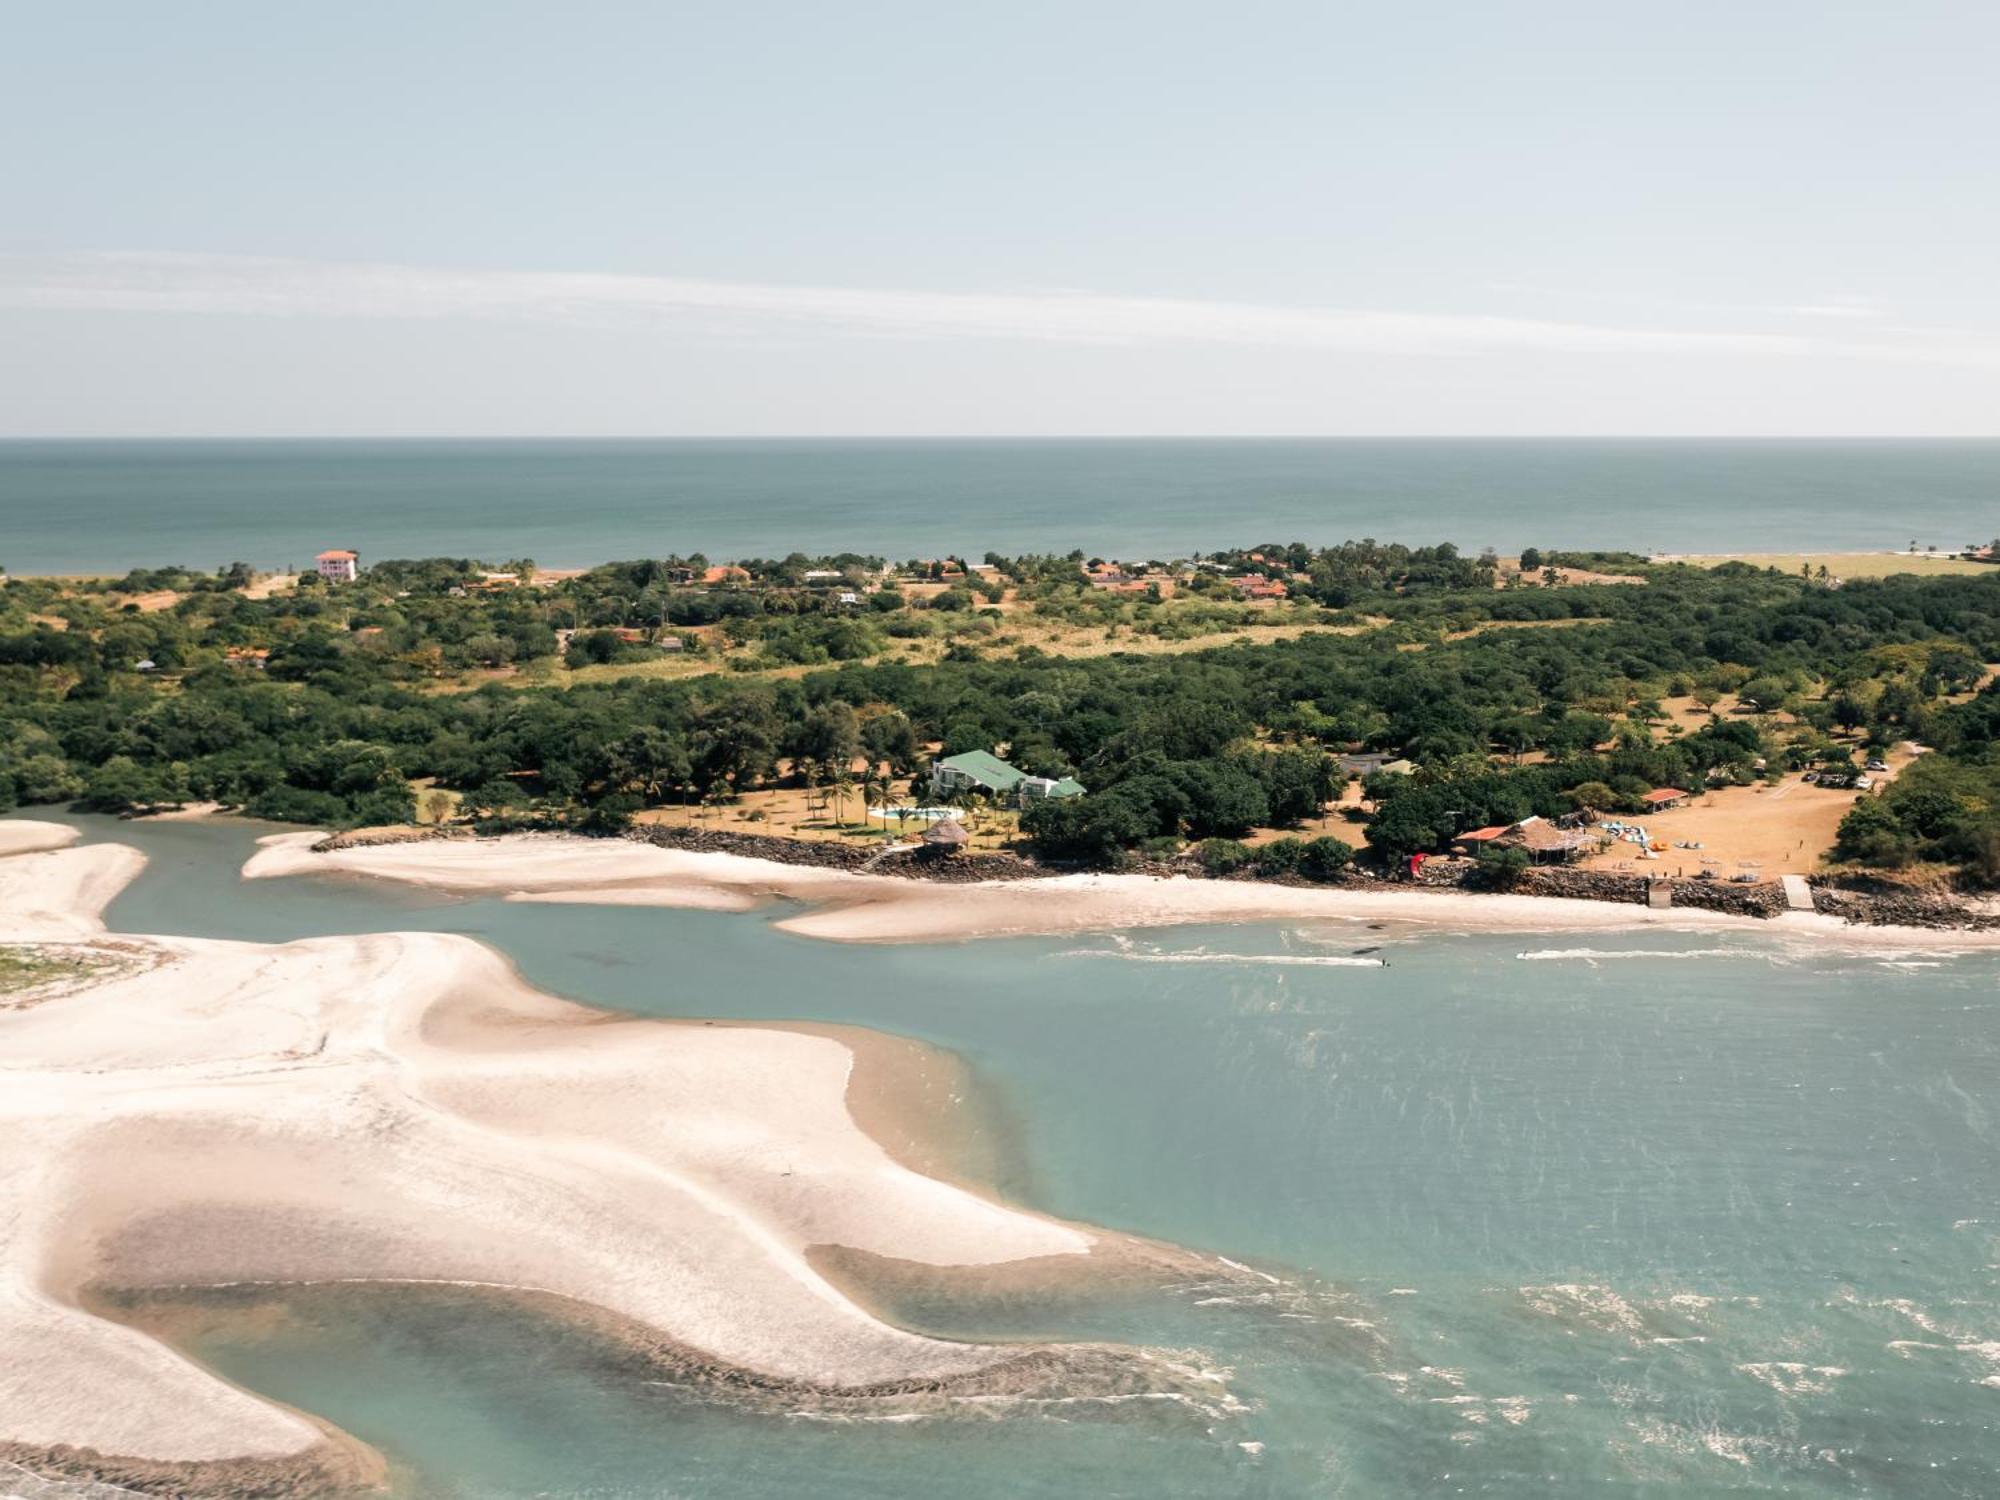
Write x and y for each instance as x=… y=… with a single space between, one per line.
x=1846 y=564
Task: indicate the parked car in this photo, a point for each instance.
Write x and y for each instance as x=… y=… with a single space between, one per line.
x=1878 y=765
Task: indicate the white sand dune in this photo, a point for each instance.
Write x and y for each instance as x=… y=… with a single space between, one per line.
x=403 y=1108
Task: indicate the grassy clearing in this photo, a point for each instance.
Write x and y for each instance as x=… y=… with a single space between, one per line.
x=790 y=812
x=1015 y=631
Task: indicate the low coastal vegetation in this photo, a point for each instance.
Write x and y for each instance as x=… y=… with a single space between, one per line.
x=1229 y=704
x=28 y=970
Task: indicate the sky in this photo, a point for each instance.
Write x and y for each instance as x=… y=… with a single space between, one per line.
x=770 y=219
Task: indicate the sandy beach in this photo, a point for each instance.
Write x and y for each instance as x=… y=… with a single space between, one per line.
x=403 y=1108
x=24 y=837
x=50 y=892
x=852 y=908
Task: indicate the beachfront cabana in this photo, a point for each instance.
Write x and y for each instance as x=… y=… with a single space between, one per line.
x=946 y=836
x=1664 y=799
x=1471 y=843
x=1546 y=843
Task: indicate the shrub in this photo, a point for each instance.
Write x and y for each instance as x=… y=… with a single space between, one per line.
x=1325 y=858
x=1280 y=856
x=1223 y=856
x=1502 y=868
x=611 y=814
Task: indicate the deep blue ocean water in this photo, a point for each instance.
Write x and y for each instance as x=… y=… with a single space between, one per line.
x=68 y=507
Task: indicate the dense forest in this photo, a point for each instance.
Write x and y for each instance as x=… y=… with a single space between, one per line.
x=322 y=704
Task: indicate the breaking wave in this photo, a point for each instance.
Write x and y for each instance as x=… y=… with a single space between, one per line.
x=1594 y=955
x=1132 y=952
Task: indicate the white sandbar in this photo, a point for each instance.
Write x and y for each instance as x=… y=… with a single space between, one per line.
x=402 y=1107
x=848 y=907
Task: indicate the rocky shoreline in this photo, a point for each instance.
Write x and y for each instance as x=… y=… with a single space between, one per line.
x=1879 y=903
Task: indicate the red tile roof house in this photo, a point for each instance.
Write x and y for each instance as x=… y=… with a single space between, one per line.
x=338 y=566
x=1256 y=586
x=1470 y=842
x=1663 y=798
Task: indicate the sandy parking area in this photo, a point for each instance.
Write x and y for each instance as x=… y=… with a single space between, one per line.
x=1781 y=830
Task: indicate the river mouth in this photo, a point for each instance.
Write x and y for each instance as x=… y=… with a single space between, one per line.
x=1630 y=1211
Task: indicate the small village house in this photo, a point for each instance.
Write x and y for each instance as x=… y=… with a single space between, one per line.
x=1259 y=589
x=1041 y=788
x=1363 y=762
x=1372 y=762
x=337 y=565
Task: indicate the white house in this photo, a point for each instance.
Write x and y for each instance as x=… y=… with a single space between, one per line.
x=339 y=566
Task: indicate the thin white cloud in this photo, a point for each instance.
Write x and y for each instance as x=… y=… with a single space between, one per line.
x=297 y=288
x=1850 y=311
x=211 y=284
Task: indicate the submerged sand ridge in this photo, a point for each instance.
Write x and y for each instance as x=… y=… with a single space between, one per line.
x=403 y=1108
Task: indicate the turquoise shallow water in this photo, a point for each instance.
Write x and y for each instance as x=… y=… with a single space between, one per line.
x=108 y=506
x=1546 y=1215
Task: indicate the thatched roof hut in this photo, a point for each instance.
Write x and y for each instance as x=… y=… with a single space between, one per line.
x=947 y=834
x=1545 y=842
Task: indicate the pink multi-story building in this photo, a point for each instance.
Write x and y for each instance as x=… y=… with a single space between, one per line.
x=339 y=566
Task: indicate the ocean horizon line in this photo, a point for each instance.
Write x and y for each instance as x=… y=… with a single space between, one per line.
x=830 y=439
